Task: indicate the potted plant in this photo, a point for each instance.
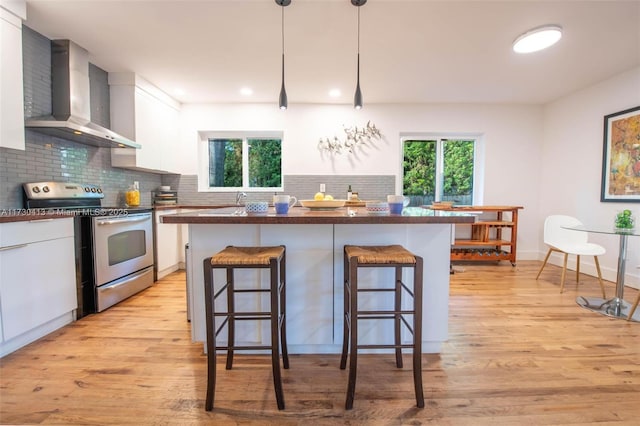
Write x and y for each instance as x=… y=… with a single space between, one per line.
x=624 y=220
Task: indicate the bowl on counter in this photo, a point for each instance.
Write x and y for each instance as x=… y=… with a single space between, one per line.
x=377 y=208
x=256 y=207
x=322 y=204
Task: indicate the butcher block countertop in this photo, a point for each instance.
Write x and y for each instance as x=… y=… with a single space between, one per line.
x=302 y=215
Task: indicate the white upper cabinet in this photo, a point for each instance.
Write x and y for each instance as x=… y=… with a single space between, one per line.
x=11 y=91
x=143 y=113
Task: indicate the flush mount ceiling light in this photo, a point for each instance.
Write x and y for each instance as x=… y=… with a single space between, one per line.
x=282 y=101
x=537 y=39
x=357 y=98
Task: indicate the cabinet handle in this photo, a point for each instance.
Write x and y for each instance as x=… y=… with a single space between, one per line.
x=17 y=246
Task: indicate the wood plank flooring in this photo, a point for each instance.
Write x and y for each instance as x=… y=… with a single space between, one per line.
x=518 y=353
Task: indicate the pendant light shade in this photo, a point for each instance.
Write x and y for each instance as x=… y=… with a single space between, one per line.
x=282 y=100
x=357 y=98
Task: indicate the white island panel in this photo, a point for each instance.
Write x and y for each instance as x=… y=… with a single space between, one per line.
x=315 y=275
x=310 y=316
x=432 y=242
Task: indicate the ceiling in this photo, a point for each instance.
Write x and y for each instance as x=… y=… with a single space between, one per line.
x=412 y=51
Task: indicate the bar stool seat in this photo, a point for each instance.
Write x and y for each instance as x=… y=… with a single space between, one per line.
x=397 y=257
x=231 y=258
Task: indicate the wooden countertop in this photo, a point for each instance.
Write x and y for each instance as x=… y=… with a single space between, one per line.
x=301 y=215
x=475 y=208
x=185 y=206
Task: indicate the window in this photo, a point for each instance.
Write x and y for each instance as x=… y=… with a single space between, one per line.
x=439 y=169
x=236 y=161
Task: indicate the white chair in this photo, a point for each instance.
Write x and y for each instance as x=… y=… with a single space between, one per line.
x=569 y=242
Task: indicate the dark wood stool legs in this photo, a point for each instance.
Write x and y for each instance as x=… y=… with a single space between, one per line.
x=385 y=256
x=231 y=258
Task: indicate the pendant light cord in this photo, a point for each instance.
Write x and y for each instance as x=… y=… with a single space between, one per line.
x=358 y=30
x=282 y=22
x=282 y=102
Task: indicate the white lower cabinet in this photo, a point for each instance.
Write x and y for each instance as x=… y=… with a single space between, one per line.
x=167 y=245
x=170 y=239
x=37 y=280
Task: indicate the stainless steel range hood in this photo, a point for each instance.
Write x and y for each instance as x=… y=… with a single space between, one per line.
x=71 y=107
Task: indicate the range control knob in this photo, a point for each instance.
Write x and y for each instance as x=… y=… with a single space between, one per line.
x=93 y=190
x=99 y=190
x=36 y=189
x=86 y=189
x=45 y=188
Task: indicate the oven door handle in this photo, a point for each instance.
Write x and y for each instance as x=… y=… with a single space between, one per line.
x=114 y=286
x=124 y=220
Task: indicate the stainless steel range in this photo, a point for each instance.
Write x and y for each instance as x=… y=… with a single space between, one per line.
x=114 y=246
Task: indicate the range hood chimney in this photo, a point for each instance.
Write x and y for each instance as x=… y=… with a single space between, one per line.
x=71 y=107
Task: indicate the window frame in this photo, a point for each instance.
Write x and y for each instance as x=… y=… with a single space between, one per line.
x=203 y=159
x=478 y=160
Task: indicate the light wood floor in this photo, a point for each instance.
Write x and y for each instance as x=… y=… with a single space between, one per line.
x=519 y=353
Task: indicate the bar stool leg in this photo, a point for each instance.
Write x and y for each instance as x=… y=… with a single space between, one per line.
x=353 y=326
x=398 y=316
x=345 y=315
x=211 y=341
x=283 y=315
x=231 y=330
x=275 y=352
x=417 y=331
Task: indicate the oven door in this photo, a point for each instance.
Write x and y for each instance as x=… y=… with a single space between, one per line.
x=122 y=245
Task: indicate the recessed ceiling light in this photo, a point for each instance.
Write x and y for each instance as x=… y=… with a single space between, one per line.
x=334 y=93
x=246 y=91
x=178 y=92
x=537 y=39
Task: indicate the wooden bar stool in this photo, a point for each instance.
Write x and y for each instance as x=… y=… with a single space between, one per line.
x=231 y=258
x=392 y=256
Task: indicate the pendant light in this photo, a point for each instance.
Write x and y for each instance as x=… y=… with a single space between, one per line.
x=357 y=98
x=282 y=101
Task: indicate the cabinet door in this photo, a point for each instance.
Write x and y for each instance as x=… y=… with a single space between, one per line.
x=11 y=91
x=168 y=250
x=37 y=284
x=149 y=134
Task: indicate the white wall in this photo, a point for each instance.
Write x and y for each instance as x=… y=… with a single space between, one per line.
x=572 y=164
x=511 y=138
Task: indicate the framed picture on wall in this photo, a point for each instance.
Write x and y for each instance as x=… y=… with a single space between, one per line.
x=621 y=157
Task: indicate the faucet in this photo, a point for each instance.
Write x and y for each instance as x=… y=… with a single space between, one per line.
x=240 y=196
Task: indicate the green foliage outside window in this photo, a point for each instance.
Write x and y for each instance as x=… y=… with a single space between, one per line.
x=226 y=163
x=264 y=163
x=458 y=168
x=421 y=166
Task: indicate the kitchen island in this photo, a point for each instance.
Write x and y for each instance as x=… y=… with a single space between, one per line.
x=314 y=240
